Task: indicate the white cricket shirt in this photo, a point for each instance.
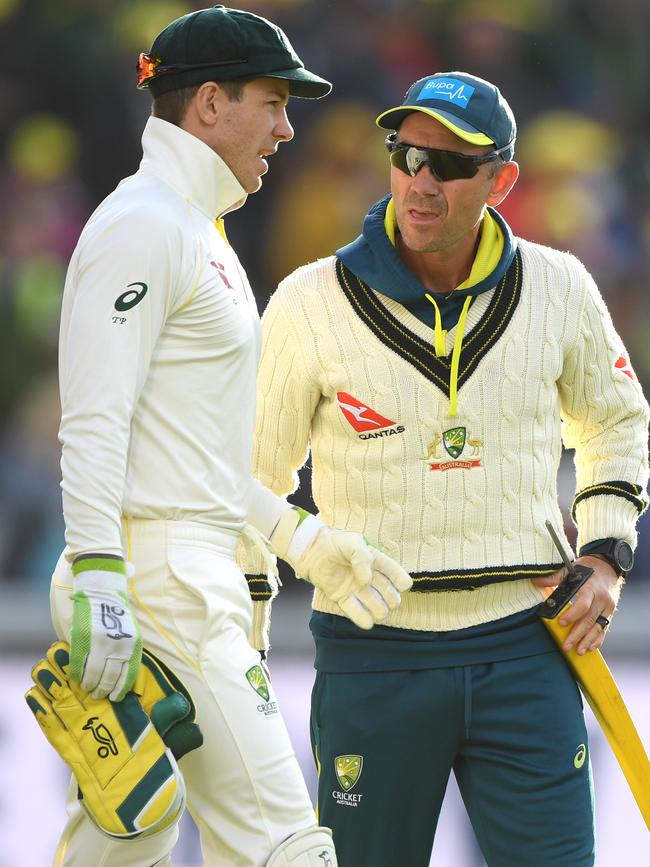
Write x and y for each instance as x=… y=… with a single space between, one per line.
x=159 y=347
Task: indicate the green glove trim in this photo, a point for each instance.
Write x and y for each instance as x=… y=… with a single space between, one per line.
x=80 y=635
x=99 y=562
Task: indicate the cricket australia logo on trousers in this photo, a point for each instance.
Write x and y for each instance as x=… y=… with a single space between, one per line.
x=348 y=770
x=256 y=678
x=454 y=441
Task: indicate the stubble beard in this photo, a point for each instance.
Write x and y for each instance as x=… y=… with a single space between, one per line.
x=428 y=240
x=425 y=241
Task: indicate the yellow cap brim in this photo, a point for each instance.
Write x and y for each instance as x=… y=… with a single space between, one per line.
x=398 y=114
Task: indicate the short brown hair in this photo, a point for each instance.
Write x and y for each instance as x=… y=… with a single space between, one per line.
x=171 y=106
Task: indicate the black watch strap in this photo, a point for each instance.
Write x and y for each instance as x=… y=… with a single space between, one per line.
x=617 y=552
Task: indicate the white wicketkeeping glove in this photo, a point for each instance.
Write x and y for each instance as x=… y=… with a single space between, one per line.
x=363 y=581
x=105 y=641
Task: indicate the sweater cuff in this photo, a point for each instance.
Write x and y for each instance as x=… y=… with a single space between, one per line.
x=606 y=511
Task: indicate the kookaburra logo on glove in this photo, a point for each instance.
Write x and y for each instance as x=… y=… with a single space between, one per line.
x=111 y=619
x=103 y=736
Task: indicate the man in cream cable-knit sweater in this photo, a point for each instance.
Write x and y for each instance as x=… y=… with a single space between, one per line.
x=435 y=365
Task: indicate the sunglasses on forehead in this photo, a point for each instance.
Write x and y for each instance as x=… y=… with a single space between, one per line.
x=149 y=67
x=444 y=165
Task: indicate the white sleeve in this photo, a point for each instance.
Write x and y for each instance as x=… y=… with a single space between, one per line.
x=265 y=508
x=122 y=283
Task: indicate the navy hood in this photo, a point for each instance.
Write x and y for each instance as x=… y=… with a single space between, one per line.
x=373 y=259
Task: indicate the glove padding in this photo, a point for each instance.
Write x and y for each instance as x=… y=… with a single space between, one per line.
x=363 y=581
x=105 y=642
x=123 y=758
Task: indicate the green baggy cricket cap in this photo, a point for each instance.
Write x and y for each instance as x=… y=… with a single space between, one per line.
x=221 y=44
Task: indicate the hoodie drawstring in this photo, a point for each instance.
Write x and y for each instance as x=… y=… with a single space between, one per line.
x=439 y=336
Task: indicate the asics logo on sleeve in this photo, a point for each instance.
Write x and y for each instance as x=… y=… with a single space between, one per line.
x=131 y=297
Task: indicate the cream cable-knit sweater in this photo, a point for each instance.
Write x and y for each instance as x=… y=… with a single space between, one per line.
x=459 y=501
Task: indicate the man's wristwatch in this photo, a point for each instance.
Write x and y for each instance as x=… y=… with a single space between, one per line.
x=617 y=552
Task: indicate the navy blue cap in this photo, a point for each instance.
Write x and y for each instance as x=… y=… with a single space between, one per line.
x=472 y=108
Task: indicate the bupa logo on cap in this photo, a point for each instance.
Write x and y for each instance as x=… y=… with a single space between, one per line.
x=447 y=90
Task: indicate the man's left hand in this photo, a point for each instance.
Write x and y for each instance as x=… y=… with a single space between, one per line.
x=597 y=598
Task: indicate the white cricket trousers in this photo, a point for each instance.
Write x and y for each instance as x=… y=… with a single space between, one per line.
x=245 y=790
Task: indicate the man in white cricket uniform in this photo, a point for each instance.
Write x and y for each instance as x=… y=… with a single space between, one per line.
x=158 y=356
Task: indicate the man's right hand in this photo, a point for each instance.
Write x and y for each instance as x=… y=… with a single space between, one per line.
x=105 y=641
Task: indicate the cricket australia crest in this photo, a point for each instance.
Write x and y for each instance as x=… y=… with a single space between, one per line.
x=454 y=440
x=348 y=770
x=255 y=676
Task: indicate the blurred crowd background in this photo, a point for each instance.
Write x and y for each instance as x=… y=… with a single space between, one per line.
x=576 y=73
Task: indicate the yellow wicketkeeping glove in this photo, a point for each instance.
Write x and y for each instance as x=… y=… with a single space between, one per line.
x=122 y=754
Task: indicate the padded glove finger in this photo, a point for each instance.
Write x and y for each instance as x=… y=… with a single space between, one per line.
x=353 y=608
x=387 y=590
x=398 y=576
x=372 y=599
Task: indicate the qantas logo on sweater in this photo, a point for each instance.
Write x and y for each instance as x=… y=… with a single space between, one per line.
x=625 y=367
x=366 y=422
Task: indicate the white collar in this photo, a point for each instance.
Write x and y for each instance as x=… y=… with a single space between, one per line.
x=192 y=168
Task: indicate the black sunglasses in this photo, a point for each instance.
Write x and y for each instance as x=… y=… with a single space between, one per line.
x=444 y=165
